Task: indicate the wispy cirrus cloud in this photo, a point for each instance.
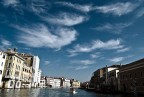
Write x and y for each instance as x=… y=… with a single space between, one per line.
x=113 y=28
x=82 y=8
x=95 y=55
x=83 y=62
x=4 y=43
x=140 y=12
x=81 y=67
x=10 y=2
x=40 y=36
x=46 y=62
x=117 y=59
x=39 y=6
x=97 y=44
x=123 y=50
x=117 y=9
x=65 y=19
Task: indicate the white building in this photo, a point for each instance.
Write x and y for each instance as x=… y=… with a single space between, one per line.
x=66 y=83
x=42 y=82
x=2 y=63
x=39 y=76
x=35 y=67
x=54 y=82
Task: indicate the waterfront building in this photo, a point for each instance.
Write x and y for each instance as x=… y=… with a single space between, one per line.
x=3 y=56
x=76 y=84
x=39 y=76
x=13 y=69
x=96 y=79
x=42 y=83
x=66 y=83
x=132 y=77
x=85 y=85
x=53 y=82
x=112 y=81
x=26 y=76
x=99 y=79
x=33 y=62
x=35 y=67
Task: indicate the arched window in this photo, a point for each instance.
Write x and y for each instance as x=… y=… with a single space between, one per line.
x=11 y=84
x=18 y=84
x=0 y=71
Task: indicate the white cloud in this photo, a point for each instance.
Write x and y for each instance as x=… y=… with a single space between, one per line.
x=120 y=59
x=65 y=19
x=47 y=62
x=140 y=12
x=117 y=59
x=10 y=2
x=39 y=6
x=116 y=28
x=81 y=67
x=97 y=44
x=123 y=50
x=83 y=62
x=40 y=36
x=117 y=9
x=95 y=55
x=83 y=8
x=73 y=54
x=5 y=42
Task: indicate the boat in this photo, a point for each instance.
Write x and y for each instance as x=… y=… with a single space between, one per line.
x=72 y=90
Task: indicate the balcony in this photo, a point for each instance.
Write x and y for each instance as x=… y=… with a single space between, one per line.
x=8 y=76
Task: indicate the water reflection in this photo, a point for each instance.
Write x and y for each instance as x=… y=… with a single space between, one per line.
x=45 y=92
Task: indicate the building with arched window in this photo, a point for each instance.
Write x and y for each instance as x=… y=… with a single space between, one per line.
x=2 y=64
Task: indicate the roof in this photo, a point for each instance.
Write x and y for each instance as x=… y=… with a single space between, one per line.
x=133 y=64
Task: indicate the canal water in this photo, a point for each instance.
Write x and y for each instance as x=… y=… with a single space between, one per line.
x=45 y=92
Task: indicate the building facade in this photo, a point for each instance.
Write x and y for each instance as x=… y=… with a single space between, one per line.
x=66 y=83
x=53 y=82
x=3 y=56
x=76 y=84
x=26 y=76
x=112 y=81
x=101 y=77
x=39 y=76
x=13 y=69
x=132 y=77
x=35 y=68
x=42 y=83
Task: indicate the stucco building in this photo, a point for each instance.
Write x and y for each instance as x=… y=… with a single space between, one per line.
x=3 y=56
x=132 y=77
x=13 y=69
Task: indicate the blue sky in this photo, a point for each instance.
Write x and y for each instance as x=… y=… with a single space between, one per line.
x=73 y=38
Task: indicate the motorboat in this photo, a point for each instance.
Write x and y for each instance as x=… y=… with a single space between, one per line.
x=72 y=90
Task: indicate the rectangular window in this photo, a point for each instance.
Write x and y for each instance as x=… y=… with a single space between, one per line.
x=10 y=57
x=9 y=65
x=3 y=56
x=2 y=64
x=8 y=73
x=135 y=75
x=130 y=75
x=0 y=72
x=16 y=74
